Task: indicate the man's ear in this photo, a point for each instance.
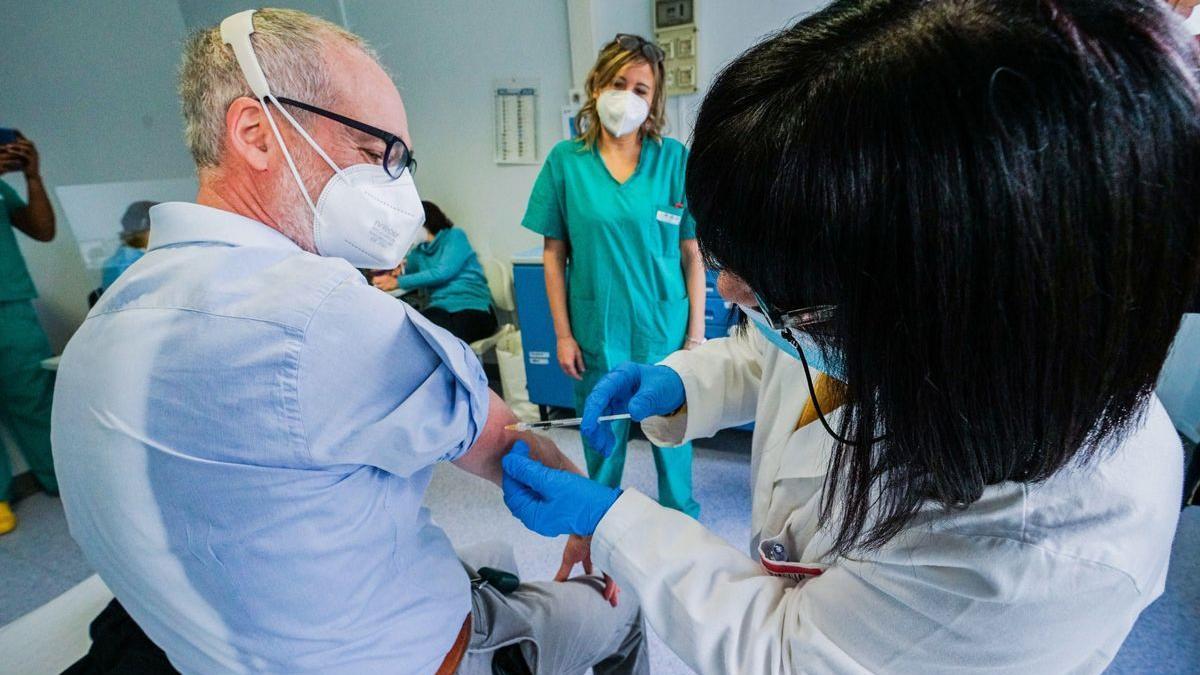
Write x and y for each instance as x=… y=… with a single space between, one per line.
x=249 y=132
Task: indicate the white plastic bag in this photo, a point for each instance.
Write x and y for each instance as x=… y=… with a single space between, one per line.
x=511 y=359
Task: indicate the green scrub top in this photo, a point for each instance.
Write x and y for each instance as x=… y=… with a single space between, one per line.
x=15 y=283
x=626 y=290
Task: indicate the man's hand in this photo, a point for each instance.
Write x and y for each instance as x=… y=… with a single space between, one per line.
x=579 y=550
x=549 y=501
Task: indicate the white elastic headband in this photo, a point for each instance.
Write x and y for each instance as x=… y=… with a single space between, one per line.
x=235 y=32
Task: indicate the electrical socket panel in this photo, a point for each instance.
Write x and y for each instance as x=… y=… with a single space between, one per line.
x=675 y=32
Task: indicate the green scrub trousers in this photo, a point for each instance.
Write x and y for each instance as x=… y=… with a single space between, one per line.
x=625 y=287
x=26 y=389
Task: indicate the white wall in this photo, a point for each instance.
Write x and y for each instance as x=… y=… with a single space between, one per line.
x=725 y=30
x=92 y=83
x=206 y=13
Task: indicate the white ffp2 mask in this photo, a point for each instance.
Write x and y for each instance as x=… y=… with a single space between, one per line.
x=363 y=215
x=621 y=112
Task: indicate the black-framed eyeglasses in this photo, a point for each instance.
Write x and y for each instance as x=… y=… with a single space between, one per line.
x=396 y=156
x=636 y=43
x=796 y=319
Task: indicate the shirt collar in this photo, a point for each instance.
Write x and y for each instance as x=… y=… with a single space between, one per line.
x=173 y=223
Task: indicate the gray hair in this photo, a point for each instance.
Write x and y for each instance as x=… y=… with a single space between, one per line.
x=290 y=46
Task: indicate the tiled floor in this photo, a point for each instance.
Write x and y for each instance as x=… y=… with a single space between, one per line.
x=39 y=560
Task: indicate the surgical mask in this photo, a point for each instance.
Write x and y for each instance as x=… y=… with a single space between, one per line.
x=813 y=354
x=622 y=112
x=362 y=215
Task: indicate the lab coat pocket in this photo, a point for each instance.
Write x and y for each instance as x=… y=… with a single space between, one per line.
x=667 y=220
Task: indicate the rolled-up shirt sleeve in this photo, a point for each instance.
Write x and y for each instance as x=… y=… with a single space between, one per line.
x=379 y=385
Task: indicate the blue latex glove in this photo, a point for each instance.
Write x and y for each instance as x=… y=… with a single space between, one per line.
x=642 y=391
x=552 y=502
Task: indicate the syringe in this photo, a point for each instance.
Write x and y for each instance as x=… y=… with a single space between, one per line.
x=558 y=424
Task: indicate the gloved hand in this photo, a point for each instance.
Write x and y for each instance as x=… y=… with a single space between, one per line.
x=642 y=391
x=552 y=502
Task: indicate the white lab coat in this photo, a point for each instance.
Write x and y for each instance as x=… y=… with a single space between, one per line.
x=1044 y=578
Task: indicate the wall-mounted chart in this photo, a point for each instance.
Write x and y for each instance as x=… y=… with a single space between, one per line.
x=516 y=122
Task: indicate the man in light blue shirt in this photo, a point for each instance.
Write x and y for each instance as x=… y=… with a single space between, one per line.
x=246 y=429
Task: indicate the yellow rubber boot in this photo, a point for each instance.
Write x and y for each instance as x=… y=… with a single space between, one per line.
x=8 y=519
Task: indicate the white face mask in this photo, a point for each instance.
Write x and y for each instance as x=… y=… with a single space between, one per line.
x=622 y=112
x=363 y=215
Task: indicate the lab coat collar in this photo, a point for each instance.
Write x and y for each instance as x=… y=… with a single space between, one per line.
x=174 y=223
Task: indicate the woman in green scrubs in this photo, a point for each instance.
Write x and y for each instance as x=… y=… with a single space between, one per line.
x=624 y=274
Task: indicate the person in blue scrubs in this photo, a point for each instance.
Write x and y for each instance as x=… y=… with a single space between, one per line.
x=624 y=274
x=135 y=236
x=446 y=265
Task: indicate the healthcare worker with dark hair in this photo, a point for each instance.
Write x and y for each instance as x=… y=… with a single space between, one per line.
x=964 y=233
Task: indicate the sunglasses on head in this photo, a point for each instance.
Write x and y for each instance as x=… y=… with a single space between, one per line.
x=636 y=43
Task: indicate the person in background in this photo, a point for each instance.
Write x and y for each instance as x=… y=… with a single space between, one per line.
x=135 y=236
x=445 y=264
x=26 y=388
x=611 y=203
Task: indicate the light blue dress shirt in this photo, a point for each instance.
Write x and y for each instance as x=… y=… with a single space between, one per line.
x=244 y=433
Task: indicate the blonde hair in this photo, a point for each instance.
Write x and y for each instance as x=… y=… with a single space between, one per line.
x=290 y=46
x=613 y=57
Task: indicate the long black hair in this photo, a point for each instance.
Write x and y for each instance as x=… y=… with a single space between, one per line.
x=999 y=197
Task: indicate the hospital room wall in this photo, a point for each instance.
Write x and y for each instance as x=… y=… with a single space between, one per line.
x=725 y=30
